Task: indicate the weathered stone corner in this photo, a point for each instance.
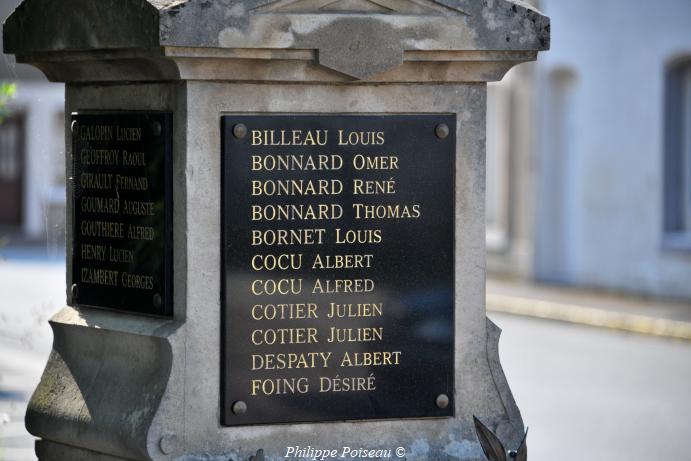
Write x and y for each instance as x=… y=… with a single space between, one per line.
x=358 y=39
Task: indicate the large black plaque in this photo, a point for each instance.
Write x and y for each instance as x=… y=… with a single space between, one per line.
x=338 y=280
x=122 y=211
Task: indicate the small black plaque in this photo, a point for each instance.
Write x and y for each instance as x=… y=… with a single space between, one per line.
x=122 y=211
x=352 y=214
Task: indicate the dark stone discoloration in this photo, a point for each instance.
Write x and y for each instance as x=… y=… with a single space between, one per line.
x=46 y=25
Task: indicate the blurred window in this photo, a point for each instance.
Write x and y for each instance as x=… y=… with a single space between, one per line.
x=677 y=168
x=11 y=169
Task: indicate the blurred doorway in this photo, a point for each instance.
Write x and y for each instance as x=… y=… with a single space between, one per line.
x=555 y=227
x=12 y=157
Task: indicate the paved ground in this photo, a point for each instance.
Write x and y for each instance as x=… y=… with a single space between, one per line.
x=30 y=291
x=592 y=394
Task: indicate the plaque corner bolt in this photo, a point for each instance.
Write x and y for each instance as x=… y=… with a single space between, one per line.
x=239 y=130
x=442 y=131
x=442 y=401
x=73 y=126
x=158 y=300
x=74 y=291
x=156 y=126
x=239 y=408
x=168 y=443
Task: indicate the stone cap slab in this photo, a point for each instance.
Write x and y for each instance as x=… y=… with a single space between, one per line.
x=355 y=39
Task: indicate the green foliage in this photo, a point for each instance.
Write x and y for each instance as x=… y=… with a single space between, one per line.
x=7 y=92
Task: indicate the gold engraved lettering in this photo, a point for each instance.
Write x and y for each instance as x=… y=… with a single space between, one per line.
x=142 y=282
x=133 y=158
x=371 y=359
x=349 y=261
x=95 y=180
x=272 y=336
x=139 y=183
x=107 y=157
x=120 y=255
x=138 y=208
x=347 y=384
x=280 y=386
x=296 y=311
x=355 y=335
x=290 y=360
x=281 y=187
x=96 y=132
x=360 y=138
x=287 y=344
x=296 y=212
x=337 y=310
x=128 y=134
x=289 y=137
x=343 y=286
x=99 y=205
x=273 y=262
x=283 y=237
x=93 y=252
x=363 y=236
x=374 y=187
x=276 y=287
x=396 y=211
x=135 y=232
x=99 y=276
x=290 y=162
x=377 y=162
x=103 y=229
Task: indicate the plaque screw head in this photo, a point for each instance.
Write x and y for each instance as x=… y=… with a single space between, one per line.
x=442 y=130
x=74 y=291
x=156 y=127
x=239 y=408
x=158 y=300
x=239 y=130
x=73 y=126
x=168 y=443
x=442 y=400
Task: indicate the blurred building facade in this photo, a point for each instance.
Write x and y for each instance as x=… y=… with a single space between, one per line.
x=589 y=152
x=32 y=178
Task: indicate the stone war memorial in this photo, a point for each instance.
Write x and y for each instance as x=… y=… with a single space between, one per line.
x=276 y=234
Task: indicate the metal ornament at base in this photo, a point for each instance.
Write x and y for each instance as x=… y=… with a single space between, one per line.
x=258 y=457
x=493 y=448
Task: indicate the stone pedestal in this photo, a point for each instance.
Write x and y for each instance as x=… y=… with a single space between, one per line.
x=119 y=385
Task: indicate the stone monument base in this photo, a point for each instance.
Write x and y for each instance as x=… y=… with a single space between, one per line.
x=50 y=451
